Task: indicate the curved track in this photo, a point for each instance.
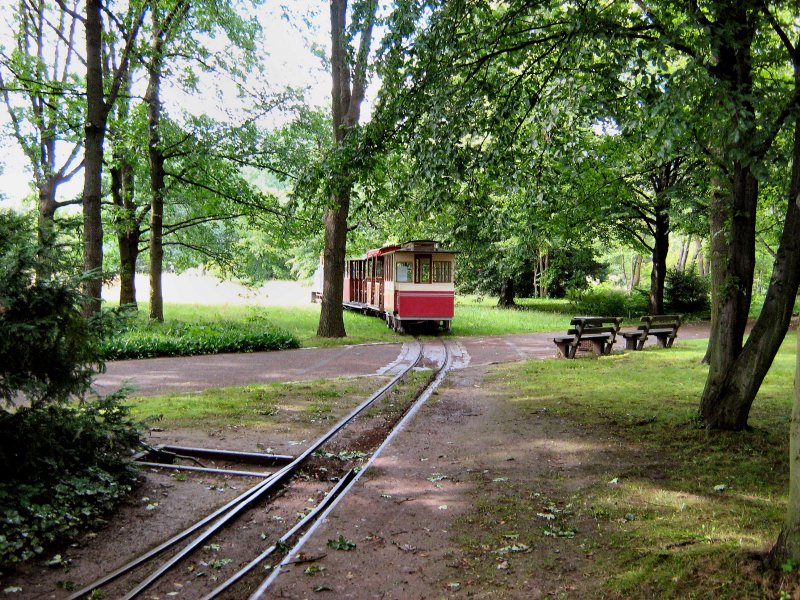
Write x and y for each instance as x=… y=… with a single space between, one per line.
x=446 y=365
x=206 y=528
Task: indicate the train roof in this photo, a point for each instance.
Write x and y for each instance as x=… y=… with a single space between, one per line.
x=428 y=246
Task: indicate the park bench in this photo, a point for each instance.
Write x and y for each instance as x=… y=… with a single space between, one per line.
x=596 y=333
x=663 y=327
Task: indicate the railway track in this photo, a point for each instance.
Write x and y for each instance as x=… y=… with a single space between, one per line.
x=259 y=526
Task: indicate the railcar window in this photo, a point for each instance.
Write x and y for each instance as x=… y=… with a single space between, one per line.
x=442 y=272
x=422 y=269
x=403 y=272
x=378 y=268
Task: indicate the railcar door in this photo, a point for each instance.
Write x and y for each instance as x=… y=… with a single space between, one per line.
x=378 y=290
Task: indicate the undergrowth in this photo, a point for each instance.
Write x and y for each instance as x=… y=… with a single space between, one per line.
x=64 y=467
x=146 y=339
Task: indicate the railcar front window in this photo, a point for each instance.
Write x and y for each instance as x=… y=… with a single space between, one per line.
x=403 y=272
x=422 y=269
x=442 y=273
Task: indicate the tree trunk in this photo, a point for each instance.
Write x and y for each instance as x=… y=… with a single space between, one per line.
x=733 y=273
x=127 y=223
x=683 y=255
x=636 y=271
x=47 y=212
x=543 y=288
x=698 y=257
x=157 y=186
x=788 y=545
x=506 y=299
x=346 y=111
x=93 y=159
x=659 y=271
x=331 y=319
x=728 y=397
x=128 y=230
x=624 y=264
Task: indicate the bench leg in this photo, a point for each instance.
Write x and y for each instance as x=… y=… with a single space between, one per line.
x=640 y=343
x=631 y=343
x=598 y=347
x=563 y=350
x=661 y=341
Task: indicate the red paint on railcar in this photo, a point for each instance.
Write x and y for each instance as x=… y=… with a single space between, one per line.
x=424 y=305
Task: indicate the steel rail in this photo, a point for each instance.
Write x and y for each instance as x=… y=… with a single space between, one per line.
x=228 y=511
x=342 y=485
x=410 y=413
x=155 y=465
x=267 y=460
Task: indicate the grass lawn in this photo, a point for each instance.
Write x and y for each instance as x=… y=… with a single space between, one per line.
x=257 y=406
x=688 y=518
x=472 y=317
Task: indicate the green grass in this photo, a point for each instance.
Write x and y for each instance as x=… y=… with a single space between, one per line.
x=472 y=318
x=691 y=507
x=256 y=406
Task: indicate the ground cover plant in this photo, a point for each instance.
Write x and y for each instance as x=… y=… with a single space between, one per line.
x=65 y=468
x=693 y=513
x=142 y=338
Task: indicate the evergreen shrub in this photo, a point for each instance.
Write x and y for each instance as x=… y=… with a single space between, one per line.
x=63 y=456
x=65 y=467
x=687 y=292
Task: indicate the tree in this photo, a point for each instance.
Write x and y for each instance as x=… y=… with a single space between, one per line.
x=41 y=91
x=48 y=352
x=734 y=64
x=165 y=25
x=747 y=39
x=349 y=86
x=99 y=102
x=127 y=216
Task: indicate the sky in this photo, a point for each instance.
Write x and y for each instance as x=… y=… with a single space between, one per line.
x=290 y=29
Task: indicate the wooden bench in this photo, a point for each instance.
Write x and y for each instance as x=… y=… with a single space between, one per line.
x=599 y=333
x=663 y=327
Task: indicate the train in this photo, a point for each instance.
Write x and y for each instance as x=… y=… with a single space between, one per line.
x=408 y=285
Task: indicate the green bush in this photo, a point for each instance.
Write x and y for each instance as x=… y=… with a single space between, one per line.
x=62 y=457
x=64 y=467
x=607 y=302
x=140 y=339
x=686 y=292
x=47 y=349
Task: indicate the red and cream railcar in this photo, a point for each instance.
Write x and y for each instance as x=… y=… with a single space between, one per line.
x=406 y=285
